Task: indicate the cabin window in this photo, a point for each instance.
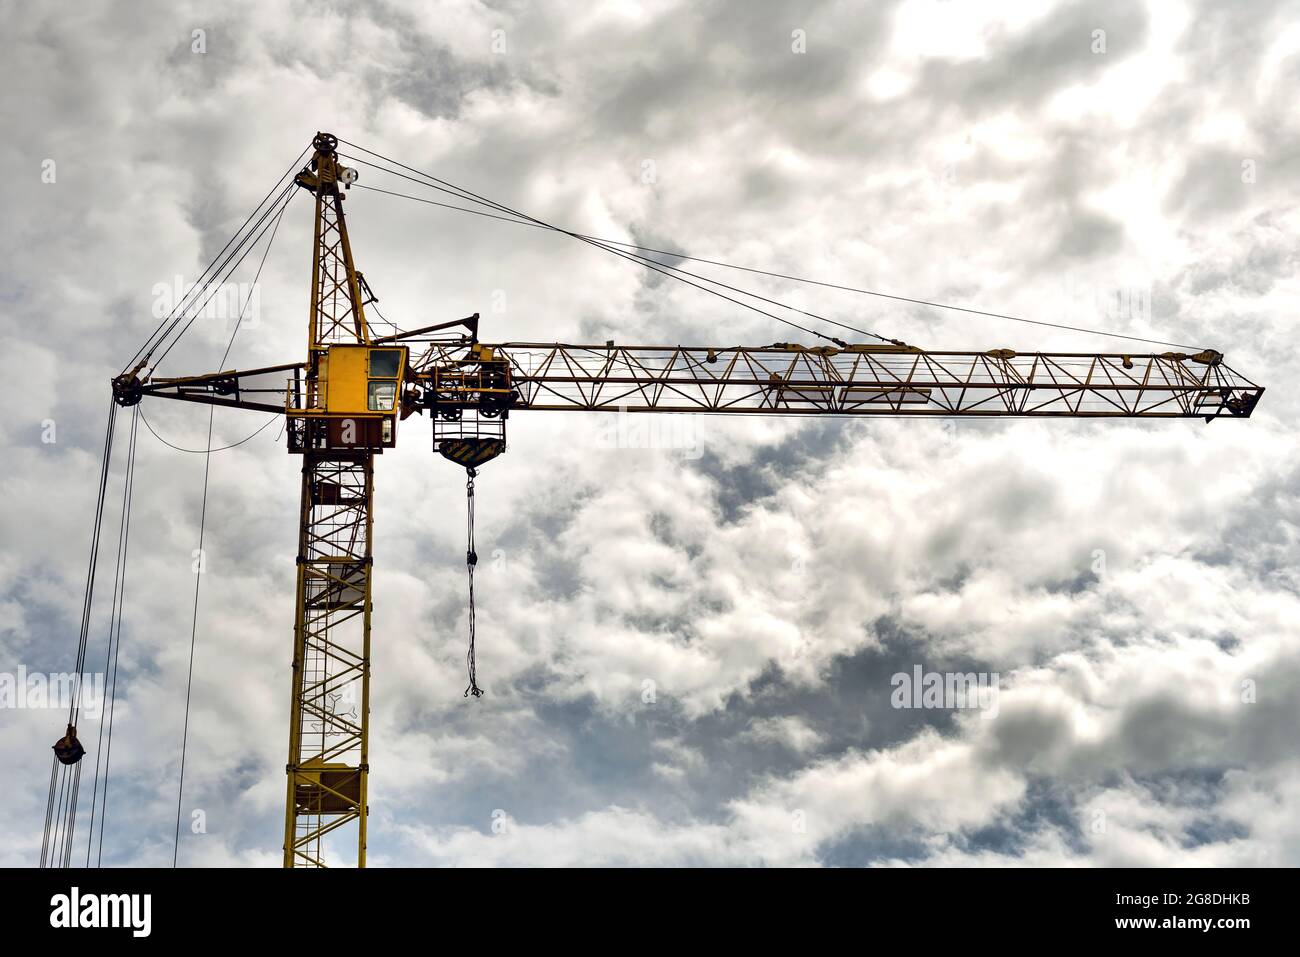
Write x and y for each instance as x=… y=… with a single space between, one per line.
x=384 y=363
x=382 y=396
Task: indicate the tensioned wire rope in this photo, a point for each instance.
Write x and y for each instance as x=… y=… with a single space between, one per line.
x=673 y=272
x=65 y=779
x=522 y=219
x=104 y=746
x=268 y=222
x=203 y=514
x=218 y=265
x=64 y=785
x=68 y=790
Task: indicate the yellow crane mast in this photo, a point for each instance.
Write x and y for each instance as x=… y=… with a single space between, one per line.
x=344 y=403
x=340 y=388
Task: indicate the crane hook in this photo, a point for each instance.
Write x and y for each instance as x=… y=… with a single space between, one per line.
x=68 y=749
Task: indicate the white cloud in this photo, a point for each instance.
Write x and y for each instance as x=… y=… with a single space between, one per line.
x=999 y=164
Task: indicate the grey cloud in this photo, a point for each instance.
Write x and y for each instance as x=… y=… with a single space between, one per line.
x=964 y=548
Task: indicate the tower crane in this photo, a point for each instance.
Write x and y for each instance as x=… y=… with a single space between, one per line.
x=343 y=402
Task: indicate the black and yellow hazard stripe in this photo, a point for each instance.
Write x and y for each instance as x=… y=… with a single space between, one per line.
x=471 y=452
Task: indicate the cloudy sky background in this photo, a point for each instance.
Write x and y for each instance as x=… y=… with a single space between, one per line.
x=770 y=579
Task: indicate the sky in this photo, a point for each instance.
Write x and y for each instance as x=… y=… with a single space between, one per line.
x=688 y=642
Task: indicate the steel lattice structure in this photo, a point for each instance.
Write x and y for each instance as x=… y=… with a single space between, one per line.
x=789 y=379
x=343 y=405
x=330 y=694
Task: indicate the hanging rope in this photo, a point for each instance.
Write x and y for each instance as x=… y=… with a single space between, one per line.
x=194 y=631
x=471 y=559
x=203 y=518
x=223 y=448
x=104 y=750
x=65 y=769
